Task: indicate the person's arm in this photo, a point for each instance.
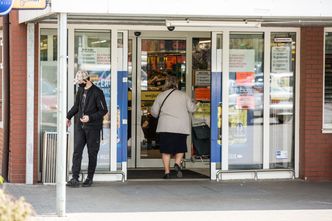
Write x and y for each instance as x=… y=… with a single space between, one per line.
x=191 y=106
x=101 y=106
x=75 y=107
x=155 y=108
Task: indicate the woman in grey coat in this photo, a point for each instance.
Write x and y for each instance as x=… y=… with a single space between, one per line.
x=173 y=124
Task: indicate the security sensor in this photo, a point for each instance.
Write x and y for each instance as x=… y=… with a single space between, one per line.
x=137 y=33
x=170 y=28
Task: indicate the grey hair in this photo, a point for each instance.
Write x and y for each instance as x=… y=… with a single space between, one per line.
x=171 y=82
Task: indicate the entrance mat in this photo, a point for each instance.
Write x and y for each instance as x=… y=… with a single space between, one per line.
x=158 y=174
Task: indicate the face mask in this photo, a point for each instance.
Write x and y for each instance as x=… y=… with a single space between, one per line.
x=82 y=85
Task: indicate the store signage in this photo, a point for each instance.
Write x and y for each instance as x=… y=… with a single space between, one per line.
x=245 y=78
x=240 y=60
x=149 y=95
x=202 y=94
x=5 y=6
x=29 y=4
x=283 y=40
x=100 y=56
x=202 y=78
x=280 y=59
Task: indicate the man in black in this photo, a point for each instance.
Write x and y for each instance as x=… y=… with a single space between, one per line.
x=90 y=108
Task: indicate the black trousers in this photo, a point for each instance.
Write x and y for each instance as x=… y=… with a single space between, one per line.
x=90 y=137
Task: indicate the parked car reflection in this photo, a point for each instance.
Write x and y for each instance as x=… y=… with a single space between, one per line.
x=281 y=101
x=49 y=106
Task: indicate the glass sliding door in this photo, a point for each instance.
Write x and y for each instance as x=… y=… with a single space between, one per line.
x=93 y=54
x=158 y=58
x=245 y=101
x=282 y=81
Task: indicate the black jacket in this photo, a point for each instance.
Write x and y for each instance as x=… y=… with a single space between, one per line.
x=95 y=107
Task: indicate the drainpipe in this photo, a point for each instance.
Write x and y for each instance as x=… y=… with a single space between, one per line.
x=6 y=89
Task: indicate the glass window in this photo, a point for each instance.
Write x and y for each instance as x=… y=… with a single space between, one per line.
x=246 y=86
x=282 y=74
x=48 y=80
x=93 y=54
x=328 y=82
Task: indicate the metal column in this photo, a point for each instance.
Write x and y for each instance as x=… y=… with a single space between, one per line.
x=30 y=102
x=61 y=123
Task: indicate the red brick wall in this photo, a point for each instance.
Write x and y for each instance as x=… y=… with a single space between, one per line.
x=315 y=147
x=18 y=62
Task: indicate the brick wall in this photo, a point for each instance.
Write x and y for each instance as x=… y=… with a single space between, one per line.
x=315 y=147
x=18 y=62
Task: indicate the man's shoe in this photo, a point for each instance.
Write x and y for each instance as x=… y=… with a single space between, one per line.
x=178 y=171
x=166 y=176
x=87 y=182
x=73 y=183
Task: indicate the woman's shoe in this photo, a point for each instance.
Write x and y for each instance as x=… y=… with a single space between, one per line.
x=166 y=176
x=178 y=171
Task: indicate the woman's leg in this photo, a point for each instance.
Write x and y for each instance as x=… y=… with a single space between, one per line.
x=166 y=161
x=179 y=158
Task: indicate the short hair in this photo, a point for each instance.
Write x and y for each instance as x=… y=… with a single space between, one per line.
x=171 y=82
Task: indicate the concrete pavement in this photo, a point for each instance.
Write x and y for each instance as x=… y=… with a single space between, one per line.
x=161 y=200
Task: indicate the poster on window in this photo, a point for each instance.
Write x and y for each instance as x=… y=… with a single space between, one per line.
x=202 y=78
x=245 y=78
x=241 y=60
x=280 y=59
x=100 y=56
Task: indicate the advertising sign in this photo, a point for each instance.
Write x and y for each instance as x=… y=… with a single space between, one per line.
x=5 y=6
x=245 y=78
x=202 y=94
x=29 y=4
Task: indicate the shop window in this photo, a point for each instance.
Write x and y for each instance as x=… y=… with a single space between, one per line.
x=328 y=83
x=246 y=95
x=282 y=88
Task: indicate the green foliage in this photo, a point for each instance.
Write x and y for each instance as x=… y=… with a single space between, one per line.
x=14 y=210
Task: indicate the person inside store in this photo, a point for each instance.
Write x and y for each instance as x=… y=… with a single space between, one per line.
x=173 y=108
x=89 y=108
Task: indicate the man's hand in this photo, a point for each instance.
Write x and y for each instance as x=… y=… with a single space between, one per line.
x=68 y=123
x=85 y=119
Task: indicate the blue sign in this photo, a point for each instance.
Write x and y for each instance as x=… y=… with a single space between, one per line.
x=6 y=6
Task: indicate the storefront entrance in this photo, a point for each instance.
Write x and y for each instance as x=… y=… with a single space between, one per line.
x=153 y=55
x=245 y=80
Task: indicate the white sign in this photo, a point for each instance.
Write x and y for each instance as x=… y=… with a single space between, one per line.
x=202 y=78
x=242 y=60
x=283 y=40
x=281 y=154
x=280 y=59
x=94 y=56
